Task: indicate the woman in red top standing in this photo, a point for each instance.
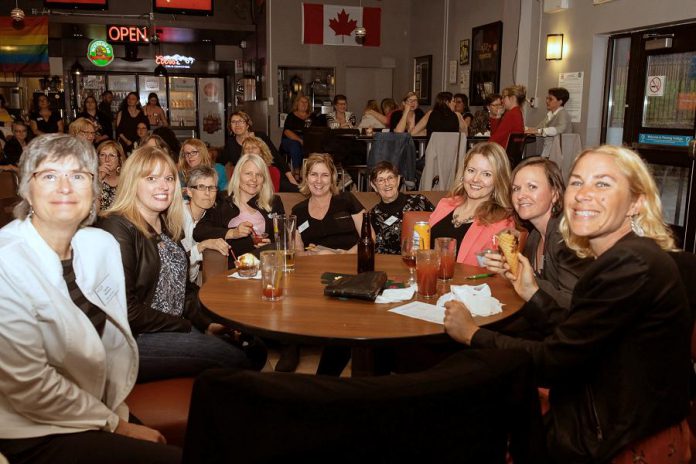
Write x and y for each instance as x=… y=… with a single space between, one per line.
x=512 y=121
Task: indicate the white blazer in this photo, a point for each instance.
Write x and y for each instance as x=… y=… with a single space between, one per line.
x=56 y=374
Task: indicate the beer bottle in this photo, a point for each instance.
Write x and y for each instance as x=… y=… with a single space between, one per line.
x=366 y=247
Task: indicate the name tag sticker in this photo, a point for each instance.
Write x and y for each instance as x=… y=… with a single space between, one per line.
x=106 y=290
x=304 y=226
x=391 y=220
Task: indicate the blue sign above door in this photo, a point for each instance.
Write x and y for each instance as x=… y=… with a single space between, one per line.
x=665 y=139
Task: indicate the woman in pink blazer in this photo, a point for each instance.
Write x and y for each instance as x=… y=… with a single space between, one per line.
x=479 y=205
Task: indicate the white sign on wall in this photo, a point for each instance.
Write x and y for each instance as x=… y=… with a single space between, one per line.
x=573 y=82
x=655 y=86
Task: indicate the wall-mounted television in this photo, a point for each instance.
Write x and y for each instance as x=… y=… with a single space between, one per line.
x=78 y=4
x=191 y=7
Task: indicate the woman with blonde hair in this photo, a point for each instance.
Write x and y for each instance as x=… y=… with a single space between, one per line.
x=478 y=206
x=256 y=146
x=246 y=212
x=618 y=365
x=295 y=123
x=512 y=121
x=372 y=117
x=175 y=338
x=327 y=217
x=195 y=153
x=111 y=160
x=83 y=128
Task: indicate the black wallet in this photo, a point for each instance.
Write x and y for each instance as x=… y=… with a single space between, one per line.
x=364 y=286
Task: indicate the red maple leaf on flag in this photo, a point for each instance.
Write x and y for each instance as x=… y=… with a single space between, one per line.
x=343 y=26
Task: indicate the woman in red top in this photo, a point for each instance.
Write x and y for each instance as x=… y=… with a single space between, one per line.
x=512 y=121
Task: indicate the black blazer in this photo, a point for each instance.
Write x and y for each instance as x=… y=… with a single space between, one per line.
x=141 y=267
x=214 y=222
x=619 y=365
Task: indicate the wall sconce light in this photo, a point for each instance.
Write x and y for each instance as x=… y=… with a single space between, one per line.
x=554 y=47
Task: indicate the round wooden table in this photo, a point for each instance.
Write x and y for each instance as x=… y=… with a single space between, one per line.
x=306 y=316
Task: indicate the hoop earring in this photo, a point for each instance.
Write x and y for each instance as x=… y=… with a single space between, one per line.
x=31 y=212
x=635 y=226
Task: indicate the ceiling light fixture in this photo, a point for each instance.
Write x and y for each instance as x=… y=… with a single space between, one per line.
x=17 y=14
x=77 y=69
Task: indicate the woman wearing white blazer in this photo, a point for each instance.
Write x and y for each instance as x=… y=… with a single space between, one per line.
x=68 y=357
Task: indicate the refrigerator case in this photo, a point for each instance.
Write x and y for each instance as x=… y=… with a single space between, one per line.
x=182 y=102
x=90 y=85
x=121 y=85
x=153 y=84
x=211 y=110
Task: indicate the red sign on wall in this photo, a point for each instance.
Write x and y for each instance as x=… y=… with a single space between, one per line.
x=204 y=7
x=127 y=34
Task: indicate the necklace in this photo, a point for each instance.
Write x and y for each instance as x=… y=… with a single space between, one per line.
x=457 y=223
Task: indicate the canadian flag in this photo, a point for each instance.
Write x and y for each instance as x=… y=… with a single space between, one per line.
x=336 y=24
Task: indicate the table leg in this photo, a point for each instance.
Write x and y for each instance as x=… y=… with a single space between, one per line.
x=363 y=362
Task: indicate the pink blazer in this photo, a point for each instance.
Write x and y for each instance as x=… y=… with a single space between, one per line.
x=478 y=236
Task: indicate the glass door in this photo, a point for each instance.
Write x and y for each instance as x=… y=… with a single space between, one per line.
x=660 y=116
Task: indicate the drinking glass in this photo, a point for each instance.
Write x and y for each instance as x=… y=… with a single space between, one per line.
x=447 y=247
x=409 y=246
x=272 y=265
x=284 y=229
x=427 y=267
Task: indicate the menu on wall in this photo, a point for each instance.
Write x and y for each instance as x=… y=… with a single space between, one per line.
x=573 y=82
x=211 y=110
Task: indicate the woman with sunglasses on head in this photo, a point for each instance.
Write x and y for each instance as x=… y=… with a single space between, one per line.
x=195 y=153
x=618 y=365
x=512 y=121
x=111 y=159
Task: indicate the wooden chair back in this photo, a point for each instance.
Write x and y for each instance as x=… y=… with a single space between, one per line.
x=214 y=263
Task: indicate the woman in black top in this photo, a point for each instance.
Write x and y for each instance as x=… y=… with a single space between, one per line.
x=388 y=214
x=127 y=119
x=326 y=217
x=295 y=123
x=15 y=145
x=461 y=106
x=405 y=119
x=45 y=121
x=101 y=122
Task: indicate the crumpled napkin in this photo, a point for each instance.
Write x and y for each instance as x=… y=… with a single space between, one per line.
x=477 y=298
x=236 y=275
x=394 y=295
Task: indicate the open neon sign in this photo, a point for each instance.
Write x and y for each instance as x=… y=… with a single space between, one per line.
x=127 y=34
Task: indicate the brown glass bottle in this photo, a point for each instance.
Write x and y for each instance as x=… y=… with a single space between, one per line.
x=366 y=247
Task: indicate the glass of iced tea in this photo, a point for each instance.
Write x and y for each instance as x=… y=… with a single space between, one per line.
x=272 y=266
x=427 y=268
x=447 y=247
x=409 y=246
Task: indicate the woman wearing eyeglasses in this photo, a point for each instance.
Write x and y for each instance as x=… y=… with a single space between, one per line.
x=405 y=119
x=388 y=214
x=111 y=159
x=194 y=153
x=83 y=128
x=201 y=188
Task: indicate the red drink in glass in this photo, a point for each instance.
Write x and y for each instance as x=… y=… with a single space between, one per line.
x=272 y=293
x=409 y=261
x=426 y=276
x=446 y=270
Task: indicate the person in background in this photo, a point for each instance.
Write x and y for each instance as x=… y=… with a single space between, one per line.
x=69 y=358
x=478 y=206
x=372 y=117
x=388 y=106
x=481 y=124
x=247 y=210
x=340 y=118
x=388 y=214
x=175 y=337
x=512 y=121
x=111 y=160
x=557 y=120
x=240 y=125
x=194 y=153
x=537 y=197
x=326 y=217
x=6 y=118
x=169 y=137
x=156 y=141
x=615 y=395
x=154 y=112
x=461 y=106
x=142 y=133
x=295 y=123
x=405 y=119
x=201 y=188
x=127 y=119
x=256 y=146
x=102 y=123
x=107 y=97
x=15 y=146
x=83 y=128
x=44 y=120
x=442 y=118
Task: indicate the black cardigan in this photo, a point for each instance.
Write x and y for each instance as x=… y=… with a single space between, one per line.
x=618 y=366
x=141 y=267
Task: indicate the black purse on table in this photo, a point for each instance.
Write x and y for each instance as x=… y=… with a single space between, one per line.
x=364 y=286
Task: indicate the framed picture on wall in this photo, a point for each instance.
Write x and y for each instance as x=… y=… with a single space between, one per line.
x=422 y=78
x=464 y=52
x=485 y=62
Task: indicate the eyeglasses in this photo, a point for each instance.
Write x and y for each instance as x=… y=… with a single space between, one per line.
x=235 y=122
x=191 y=154
x=88 y=133
x=78 y=179
x=204 y=188
x=385 y=180
x=107 y=155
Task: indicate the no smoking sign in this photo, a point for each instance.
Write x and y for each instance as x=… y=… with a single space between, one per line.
x=655 y=86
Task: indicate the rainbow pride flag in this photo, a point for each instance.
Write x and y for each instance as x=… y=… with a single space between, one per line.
x=24 y=49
